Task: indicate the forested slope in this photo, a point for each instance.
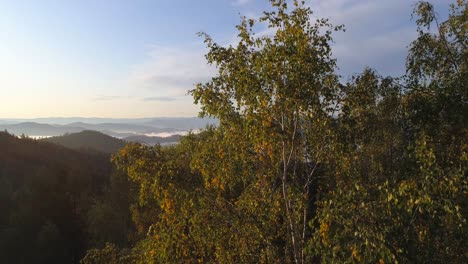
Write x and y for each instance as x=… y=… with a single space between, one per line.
x=46 y=193
x=89 y=139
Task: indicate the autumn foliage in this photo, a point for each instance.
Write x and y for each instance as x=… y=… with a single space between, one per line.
x=305 y=169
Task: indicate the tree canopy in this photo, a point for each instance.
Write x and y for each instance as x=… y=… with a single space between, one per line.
x=303 y=166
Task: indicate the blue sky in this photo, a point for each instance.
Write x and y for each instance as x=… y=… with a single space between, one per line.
x=138 y=58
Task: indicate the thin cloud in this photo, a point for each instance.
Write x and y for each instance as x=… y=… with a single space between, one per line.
x=241 y=2
x=171 y=71
x=160 y=98
x=377 y=35
x=108 y=97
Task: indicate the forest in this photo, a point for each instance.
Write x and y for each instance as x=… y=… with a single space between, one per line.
x=305 y=166
x=47 y=196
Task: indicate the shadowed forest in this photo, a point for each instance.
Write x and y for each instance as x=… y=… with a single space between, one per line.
x=305 y=166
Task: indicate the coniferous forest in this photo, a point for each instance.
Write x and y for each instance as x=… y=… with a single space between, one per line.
x=305 y=166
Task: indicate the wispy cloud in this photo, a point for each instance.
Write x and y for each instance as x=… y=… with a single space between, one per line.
x=241 y=2
x=109 y=97
x=377 y=35
x=171 y=71
x=160 y=98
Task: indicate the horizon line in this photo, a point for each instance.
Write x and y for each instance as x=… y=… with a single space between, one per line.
x=94 y=117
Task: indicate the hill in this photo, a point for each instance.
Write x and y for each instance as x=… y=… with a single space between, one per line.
x=46 y=191
x=88 y=139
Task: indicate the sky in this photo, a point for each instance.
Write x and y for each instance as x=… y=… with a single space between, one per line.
x=139 y=58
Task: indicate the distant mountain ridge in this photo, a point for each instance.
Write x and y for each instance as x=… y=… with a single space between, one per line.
x=120 y=128
x=38 y=129
x=89 y=139
x=158 y=121
x=94 y=140
x=115 y=127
